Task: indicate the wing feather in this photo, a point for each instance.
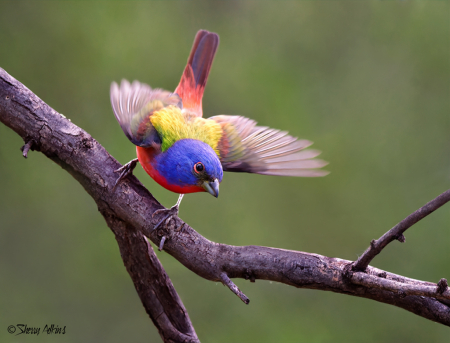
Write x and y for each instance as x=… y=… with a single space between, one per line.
x=246 y=147
x=133 y=104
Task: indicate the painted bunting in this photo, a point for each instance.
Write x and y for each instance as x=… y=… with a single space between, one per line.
x=186 y=153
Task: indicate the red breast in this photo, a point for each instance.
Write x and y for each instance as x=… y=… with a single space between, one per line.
x=148 y=162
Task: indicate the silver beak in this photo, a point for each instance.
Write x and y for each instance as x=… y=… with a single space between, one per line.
x=212 y=187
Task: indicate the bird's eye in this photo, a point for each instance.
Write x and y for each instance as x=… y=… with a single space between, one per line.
x=199 y=167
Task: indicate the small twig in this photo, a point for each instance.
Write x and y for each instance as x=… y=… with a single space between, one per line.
x=28 y=145
x=230 y=284
x=125 y=170
x=442 y=286
x=161 y=244
x=397 y=231
x=367 y=280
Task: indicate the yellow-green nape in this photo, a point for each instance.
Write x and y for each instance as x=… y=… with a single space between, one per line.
x=172 y=126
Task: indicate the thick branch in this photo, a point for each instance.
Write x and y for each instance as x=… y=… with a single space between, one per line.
x=397 y=231
x=132 y=205
x=154 y=287
x=42 y=128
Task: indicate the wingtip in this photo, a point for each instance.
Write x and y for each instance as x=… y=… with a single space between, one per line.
x=296 y=172
x=113 y=88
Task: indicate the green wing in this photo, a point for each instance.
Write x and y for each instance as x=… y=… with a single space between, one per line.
x=245 y=147
x=133 y=104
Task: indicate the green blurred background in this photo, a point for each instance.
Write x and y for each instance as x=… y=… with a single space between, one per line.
x=368 y=82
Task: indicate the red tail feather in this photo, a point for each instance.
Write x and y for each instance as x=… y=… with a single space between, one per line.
x=195 y=75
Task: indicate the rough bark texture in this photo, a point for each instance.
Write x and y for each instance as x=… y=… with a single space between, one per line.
x=89 y=163
x=128 y=212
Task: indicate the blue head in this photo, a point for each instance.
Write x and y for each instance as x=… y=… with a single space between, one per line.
x=190 y=165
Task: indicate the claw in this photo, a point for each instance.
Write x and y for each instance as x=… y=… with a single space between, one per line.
x=125 y=170
x=173 y=211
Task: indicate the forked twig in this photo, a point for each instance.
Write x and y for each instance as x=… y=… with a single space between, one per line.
x=376 y=246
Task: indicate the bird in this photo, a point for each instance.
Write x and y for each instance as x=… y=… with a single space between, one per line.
x=186 y=153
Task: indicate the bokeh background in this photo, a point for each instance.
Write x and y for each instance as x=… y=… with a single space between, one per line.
x=368 y=82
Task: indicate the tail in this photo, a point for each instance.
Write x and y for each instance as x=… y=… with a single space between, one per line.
x=193 y=81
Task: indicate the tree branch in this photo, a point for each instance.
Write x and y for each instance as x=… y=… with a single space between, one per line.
x=227 y=282
x=44 y=129
x=397 y=231
x=402 y=289
x=128 y=211
x=26 y=147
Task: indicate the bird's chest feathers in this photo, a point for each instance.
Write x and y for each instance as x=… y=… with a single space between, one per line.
x=172 y=125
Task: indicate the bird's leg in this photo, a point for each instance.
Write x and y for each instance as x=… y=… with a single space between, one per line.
x=173 y=211
x=125 y=170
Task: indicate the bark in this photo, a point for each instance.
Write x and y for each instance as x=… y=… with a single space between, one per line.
x=44 y=129
x=128 y=212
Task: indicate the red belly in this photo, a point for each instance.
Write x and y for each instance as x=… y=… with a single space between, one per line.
x=146 y=158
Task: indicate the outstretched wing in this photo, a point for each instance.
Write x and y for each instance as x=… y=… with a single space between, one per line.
x=245 y=147
x=133 y=104
x=195 y=75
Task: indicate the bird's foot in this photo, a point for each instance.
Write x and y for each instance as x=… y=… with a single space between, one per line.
x=169 y=213
x=125 y=170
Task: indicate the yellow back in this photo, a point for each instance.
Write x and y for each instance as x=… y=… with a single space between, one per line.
x=173 y=125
